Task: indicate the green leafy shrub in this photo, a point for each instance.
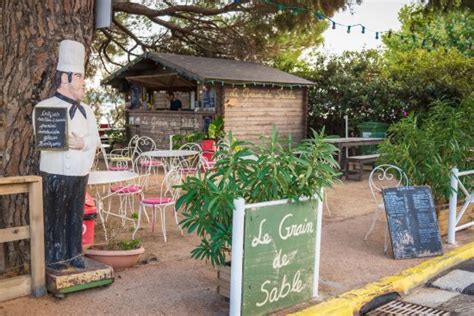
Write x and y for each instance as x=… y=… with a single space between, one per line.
x=275 y=172
x=215 y=130
x=352 y=84
x=428 y=149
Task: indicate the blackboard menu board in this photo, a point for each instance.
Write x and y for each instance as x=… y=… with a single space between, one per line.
x=51 y=128
x=279 y=256
x=412 y=222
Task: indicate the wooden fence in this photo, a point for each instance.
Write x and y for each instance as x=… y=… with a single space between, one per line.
x=35 y=283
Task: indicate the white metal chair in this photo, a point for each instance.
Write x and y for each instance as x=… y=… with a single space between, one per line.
x=144 y=144
x=100 y=155
x=127 y=192
x=189 y=165
x=121 y=159
x=381 y=177
x=167 y=198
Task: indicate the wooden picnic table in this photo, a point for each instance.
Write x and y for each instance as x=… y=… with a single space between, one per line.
x=348 y=142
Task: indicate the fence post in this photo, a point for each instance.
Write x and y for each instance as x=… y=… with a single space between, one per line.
x=237 y=257
x=453 y=201
x=36 y=242
x=317 y=252
x=171 y=142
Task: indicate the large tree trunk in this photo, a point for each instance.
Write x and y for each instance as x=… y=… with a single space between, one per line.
x=31 y=32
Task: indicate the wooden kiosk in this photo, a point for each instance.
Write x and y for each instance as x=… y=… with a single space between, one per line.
x=251 y=97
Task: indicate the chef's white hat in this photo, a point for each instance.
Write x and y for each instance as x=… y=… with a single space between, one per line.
x=71 y=57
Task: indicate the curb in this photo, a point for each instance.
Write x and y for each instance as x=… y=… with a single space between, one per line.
x=351 y=302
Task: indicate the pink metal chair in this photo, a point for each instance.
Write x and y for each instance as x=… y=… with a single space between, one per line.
x=189 y=165
x=128 y=191
x=167 y=198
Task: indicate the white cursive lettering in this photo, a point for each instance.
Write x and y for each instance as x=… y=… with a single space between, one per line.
x=258 y=240
x=276 y=293
x=295 y=229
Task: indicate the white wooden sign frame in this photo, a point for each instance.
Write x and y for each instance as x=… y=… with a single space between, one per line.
x=238 y=222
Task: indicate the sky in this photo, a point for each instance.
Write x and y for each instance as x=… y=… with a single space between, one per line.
x=377 y=15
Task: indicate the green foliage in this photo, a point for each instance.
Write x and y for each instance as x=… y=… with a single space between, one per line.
x=426 y=76
x=129 y=244
x=279 y=172
x=99 y=97
x=116 y=137
x=439 y=30
x=215 y=130
x=441 y=66
x=428 y=149
x=351 y=84
x=181 y=139
x=409 y=76
x=115 y=233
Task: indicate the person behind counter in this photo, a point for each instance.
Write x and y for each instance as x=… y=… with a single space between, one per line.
x=175 y=104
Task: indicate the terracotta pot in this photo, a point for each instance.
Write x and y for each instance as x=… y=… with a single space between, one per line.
x=117 y=259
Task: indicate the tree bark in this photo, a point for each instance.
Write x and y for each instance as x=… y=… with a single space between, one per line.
x=31 y=32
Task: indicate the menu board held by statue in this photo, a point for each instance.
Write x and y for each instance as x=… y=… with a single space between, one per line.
x=51 y=128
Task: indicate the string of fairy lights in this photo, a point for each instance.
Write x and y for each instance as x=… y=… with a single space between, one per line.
x=296 y=10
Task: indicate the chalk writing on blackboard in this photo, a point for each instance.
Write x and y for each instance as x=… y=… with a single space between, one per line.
x=51 y=128
x=412 y=222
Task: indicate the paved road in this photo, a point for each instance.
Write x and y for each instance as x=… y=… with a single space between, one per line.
x=452 y=292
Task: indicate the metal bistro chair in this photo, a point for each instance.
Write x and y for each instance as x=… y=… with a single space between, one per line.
x=142 y=145
x=381 y=177
x=189 y=165
x=100 y=155
x=127 y=192
x=121 y=159
x=167 y=198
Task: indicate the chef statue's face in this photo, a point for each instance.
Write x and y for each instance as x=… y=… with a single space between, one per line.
x=75 y=88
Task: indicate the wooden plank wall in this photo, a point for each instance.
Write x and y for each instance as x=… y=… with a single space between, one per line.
x=159 y=125
x=251 y=112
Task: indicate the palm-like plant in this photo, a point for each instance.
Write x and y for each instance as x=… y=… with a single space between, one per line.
x=279 y=172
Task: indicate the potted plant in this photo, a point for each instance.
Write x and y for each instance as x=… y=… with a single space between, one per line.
x=215 y=132
x=117 y=138
x=279 y=172
x=428 y=145
x=116 y=252
x=181 y=139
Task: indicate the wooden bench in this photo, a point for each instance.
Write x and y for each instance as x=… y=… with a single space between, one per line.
x=359 y=161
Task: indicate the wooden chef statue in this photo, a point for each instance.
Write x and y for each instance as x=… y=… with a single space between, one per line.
x=65 y=173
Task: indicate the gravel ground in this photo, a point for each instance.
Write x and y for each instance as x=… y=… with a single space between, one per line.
x=175 y=284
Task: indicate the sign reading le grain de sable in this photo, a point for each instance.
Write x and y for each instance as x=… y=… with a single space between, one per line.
x=51 y=128
x=279 y=256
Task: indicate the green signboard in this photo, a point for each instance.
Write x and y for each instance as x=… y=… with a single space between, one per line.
x=279 y=256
